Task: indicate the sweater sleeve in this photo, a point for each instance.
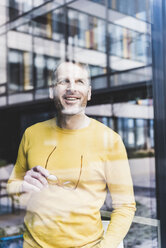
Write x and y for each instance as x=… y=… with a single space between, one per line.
x=20 y=168
x=120 y=185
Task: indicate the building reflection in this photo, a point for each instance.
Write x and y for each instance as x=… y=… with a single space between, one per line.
x=114 y=38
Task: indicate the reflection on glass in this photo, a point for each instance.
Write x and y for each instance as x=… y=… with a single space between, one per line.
x=111 y=123
x=120 y=127
x=86 y=31
x=26 y=28
x=18 y=7
x=50 y=25
x=99 y=82
x=37 y=3
x=44 y=65
x=27 y=63
x=137 y=75
x=58 y=24
x=43 y=26
x=82 y=28
x=129 y=44
x=131 y=134
x=96 y=70
x=140 y=133
x=143 y=10
x=146 y=236
x=73 y=27
x=137 y=8
x=152 y=133
x=3 y=64
x=15 y=68
x=39 y=70
x=130 y=62
x=141 y=159
x=20 y=70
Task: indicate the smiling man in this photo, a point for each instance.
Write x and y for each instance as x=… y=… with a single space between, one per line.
x=72 y=91
x=65 y=166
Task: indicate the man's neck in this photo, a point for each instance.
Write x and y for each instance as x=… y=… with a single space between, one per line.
x=72 y=121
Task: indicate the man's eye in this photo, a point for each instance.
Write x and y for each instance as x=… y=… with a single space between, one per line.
x=80 y=81
x=64 y=81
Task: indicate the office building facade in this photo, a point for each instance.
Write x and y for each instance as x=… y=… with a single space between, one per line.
x=117 y=39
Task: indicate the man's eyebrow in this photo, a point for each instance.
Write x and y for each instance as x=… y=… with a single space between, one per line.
x=62 y=77
x=79 y=78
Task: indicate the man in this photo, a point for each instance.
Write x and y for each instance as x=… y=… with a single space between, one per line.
x=65 y=166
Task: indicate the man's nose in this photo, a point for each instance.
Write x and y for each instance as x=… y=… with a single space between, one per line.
x=71 y=85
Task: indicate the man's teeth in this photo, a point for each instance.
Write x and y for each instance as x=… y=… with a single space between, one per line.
x=71 y=98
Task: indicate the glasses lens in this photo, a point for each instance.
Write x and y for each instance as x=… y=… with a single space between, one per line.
x=52 y=179
x=68 y=185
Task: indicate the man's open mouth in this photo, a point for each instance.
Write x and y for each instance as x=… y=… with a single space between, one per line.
x=71 y=98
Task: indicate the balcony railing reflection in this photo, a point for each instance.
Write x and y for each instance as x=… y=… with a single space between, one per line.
x=117 y=78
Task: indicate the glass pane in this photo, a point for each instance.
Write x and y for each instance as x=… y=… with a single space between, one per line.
x=20 y=71
x=15 y=64
x=37 y=3
x=44 y=65
x=43 y=26
x=39 y=69
x=18 y=7
x=3 y=16
x=138 y=8
x=114 y=38
x=3 y=52
x=58 y=24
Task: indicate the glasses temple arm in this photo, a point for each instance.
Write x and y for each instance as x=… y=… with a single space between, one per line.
x=80 y=172
x=49 y=157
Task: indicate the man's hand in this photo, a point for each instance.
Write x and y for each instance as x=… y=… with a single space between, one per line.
x=35 y=179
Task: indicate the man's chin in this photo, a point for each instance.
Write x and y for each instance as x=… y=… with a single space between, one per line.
x=72 y=111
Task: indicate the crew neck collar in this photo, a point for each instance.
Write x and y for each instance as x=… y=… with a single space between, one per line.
x=63 y=130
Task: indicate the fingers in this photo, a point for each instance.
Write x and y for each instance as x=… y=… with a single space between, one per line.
x=36 y=175
x=27 y=187
x=35 y=179
x=42 y=170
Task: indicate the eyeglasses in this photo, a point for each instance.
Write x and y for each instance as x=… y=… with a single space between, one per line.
x=54 y=180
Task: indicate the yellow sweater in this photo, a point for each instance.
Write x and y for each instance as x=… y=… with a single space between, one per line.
x=59 y=217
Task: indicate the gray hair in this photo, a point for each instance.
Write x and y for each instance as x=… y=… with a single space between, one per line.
x=84 y=66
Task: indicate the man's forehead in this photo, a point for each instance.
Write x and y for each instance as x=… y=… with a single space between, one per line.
x=71 y=69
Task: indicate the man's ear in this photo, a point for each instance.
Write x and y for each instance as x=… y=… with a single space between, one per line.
x=52 y=92
x=89 y=93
